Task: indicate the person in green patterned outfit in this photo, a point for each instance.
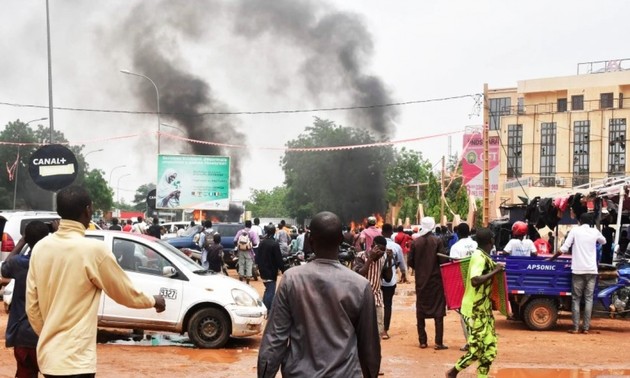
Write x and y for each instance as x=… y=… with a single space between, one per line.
x=477 y=308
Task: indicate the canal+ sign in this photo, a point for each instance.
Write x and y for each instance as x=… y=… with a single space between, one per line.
x=53 y=167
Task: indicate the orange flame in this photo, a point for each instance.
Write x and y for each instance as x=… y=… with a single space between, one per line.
x=356 y=225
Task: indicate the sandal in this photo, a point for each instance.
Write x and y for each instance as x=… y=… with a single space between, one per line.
x=422 y=346
x=464 y=348
x=573 y=331
x=385 y=336
x=440 y=347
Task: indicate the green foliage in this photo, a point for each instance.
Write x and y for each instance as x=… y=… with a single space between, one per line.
x=408 y=168
x=140 y=198
x=100 y=192
x=350 y=183
x=268 y=203
x=27 y=194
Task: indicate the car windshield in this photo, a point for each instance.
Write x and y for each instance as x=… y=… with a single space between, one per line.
x=228 y=229
x=180 y=256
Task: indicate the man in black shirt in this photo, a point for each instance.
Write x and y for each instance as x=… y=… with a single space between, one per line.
x=269 y=261
x=154 y=229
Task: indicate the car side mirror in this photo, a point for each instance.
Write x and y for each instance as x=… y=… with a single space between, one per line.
x=169 y=271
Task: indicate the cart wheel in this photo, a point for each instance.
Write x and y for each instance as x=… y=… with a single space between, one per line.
x=541 y=314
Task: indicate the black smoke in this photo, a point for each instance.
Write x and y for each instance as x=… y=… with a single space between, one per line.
x=336 y=47
x=182 y=95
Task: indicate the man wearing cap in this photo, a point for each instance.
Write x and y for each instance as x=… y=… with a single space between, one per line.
x=430 y=301
x=366 y=238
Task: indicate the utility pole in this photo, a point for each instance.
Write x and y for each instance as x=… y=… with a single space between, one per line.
x=486 y=158
x=442 y=197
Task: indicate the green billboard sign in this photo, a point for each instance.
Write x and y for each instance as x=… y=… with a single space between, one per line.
x=193 y=182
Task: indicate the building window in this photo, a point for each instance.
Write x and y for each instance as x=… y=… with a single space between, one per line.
x=605 y=100
x=548 y=153
x=498 y=107
x=581 y=132
x=515 y=151
x=577 y=102
x=521 y=105
x=617 y=147
x=562 y=105
x=620 y=100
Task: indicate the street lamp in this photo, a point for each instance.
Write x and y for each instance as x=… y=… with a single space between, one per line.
x=36 y=120
x=17 y=163
x=118 y=186
x=99 y=150
x=157 y=92
x=174 y=127
x=112 y=171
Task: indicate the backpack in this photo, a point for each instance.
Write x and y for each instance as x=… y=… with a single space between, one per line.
x=243 y=243
x=208 y=237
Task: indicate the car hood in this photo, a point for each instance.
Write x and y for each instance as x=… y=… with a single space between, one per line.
x=218 y=280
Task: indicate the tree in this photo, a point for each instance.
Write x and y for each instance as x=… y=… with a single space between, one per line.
x=140 y=198
x=348 y=182
x=268 y=203
x=100 y=192
x=22 y=142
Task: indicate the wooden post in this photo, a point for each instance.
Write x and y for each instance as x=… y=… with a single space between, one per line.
x=486 y=158
x=442 y=197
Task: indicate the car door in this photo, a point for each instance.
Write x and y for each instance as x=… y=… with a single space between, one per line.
x=143 y=265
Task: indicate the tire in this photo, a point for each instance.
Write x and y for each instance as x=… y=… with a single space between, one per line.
x=541 y=314
x=209 y=328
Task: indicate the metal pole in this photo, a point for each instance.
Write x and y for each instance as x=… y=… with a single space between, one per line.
x=112 y=172
x=118 y=187
x=17 y=169
x=157 y=92
x=486 y=158
x=50 y=93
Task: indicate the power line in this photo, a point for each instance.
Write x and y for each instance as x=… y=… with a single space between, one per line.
x=216 y=113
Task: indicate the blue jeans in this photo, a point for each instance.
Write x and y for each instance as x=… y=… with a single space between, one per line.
x=270 y=292
x=583 y=286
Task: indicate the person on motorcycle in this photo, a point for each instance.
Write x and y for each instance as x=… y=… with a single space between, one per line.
x=518 y=245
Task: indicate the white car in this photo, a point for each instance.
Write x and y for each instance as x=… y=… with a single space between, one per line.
x=209 y=307
x=13 y=223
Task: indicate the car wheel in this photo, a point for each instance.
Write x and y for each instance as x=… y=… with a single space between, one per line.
x=541 y=314
x=209 y=328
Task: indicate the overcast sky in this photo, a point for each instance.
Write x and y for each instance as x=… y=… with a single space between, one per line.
x=419 y=50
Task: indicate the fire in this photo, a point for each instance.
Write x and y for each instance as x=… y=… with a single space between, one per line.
x=356 y=225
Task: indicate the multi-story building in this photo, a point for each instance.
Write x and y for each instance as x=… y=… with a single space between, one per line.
x=561 y=132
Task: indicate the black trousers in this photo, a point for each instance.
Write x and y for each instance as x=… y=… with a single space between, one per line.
x=388 y=296
x=439 y=329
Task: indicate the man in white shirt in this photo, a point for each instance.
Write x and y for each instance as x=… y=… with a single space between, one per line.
x=464 y=247
x=583 y=240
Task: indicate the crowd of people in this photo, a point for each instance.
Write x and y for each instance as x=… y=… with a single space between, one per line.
x=324 y=319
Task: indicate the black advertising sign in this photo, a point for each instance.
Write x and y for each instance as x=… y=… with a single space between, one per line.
x=53 y=167
x=151 y=199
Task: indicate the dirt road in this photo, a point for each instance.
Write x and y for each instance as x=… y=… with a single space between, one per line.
x=522 y=353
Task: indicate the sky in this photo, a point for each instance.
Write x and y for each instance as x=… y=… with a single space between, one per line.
x=253 y=56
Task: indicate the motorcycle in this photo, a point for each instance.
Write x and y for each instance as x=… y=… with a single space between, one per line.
x=616 y=297
x=293 y=259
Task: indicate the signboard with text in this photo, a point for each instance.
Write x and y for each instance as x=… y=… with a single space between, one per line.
x=193 y=182
x=472 y=163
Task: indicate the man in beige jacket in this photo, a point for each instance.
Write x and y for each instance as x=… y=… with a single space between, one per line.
x=67 y=274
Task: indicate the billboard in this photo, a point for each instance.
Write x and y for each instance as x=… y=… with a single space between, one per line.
x=472 y=163
x=193 y=182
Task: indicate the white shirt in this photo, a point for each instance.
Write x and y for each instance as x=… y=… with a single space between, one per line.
x=517 y=247
x=399 y=261
x=583 y=240
x=258 y=230
x=463 y=248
